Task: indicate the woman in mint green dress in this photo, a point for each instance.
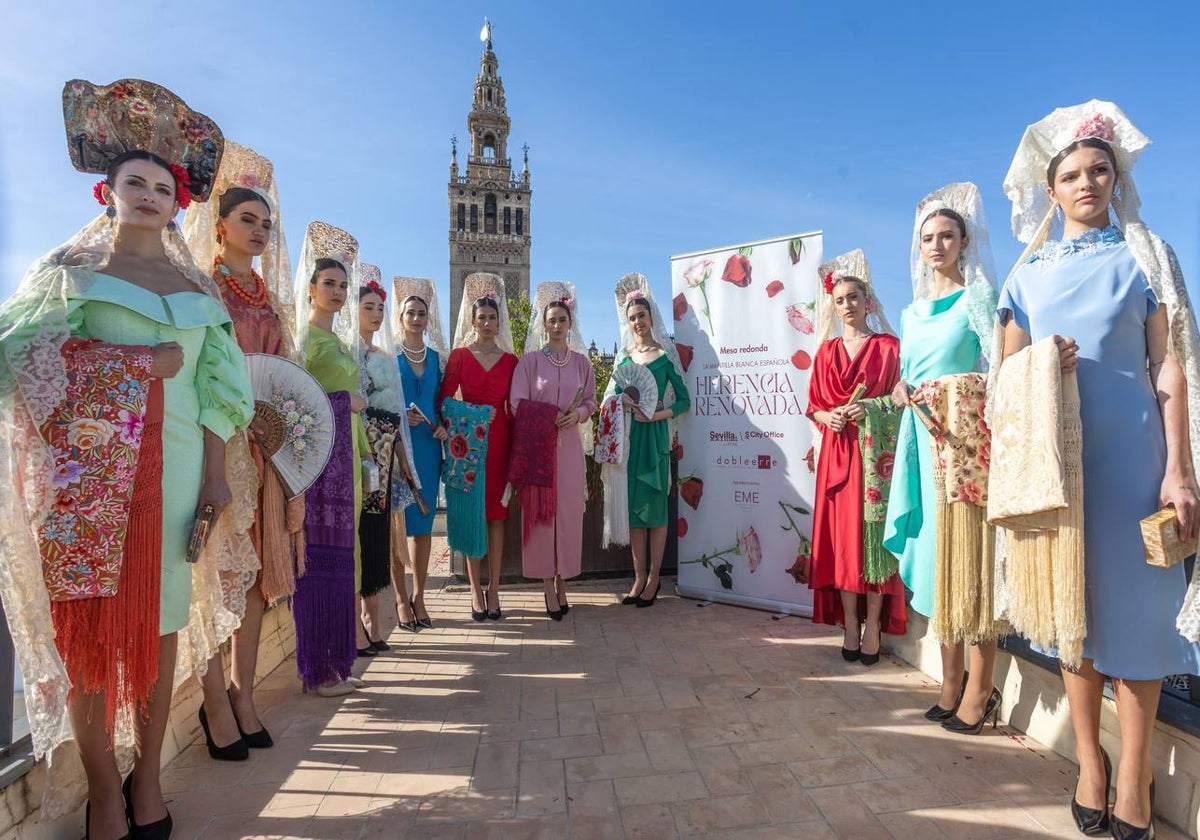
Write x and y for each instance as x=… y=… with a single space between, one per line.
x=947 y=329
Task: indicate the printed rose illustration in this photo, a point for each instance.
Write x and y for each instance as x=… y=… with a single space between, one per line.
x=677 y=451
x=797 y=317
x=810 y=459
x=747 y=546
x=685 y=355
x=692 y=491
x=696 y=276
x=795 y=250
x=801 y=360
x=737 y=268
x=681 y=527
x=802 y=568
x=680 y=305
x=774 y=288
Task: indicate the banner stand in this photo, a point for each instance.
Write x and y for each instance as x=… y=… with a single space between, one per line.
x=780 y=608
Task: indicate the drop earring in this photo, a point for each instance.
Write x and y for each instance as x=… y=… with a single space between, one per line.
x=110 y=211
x=171 y=226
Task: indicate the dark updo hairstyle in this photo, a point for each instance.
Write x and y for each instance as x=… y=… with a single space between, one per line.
x=485 y=302
x=953 y=215
x=561 y=304
x=325 y=263
x=235 y=196
x=638 y=301
x=404 y=302
x=1081 y=143
x=137 y=154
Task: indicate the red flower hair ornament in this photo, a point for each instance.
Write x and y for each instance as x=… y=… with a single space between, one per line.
x=98 y=191
x=567 y=301
x=183 y=183
x=374 y=286
x=831 y=280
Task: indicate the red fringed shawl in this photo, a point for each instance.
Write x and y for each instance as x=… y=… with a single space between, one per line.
x=101 y=542
x=533 y=462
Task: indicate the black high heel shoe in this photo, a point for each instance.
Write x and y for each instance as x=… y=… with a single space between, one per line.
x=870 y=659
x=478 y=615
x=496 y=614
x=425 y=622
x=557 y=614
x=1121 y=830
x=1094 y=821
x=643 y=602
x=260 y=740
x=237 y=751
x=87 y=823
x=937 y=713
x=850 y=655
x=991 y=710
x=631 y=600
x=157 y=830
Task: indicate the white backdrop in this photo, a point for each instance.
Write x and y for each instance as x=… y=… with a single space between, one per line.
x=744 y=327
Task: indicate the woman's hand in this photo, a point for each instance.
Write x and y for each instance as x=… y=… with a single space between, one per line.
x=1180 y=492
x=837 y=419
x=853 y=412
x=414 y=417
x=168 y=359
x=901 y=394
x=214 y=491
x=629 y=402
x=357 y=403
x=567 y=419
x=440 y=433
x=1068 y=353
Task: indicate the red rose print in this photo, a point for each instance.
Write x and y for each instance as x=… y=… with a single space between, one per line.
x=799 y=320
x=774 y=288
x=682 y=527
x=685 y=355
x=480 y=432
x=459 y=446
x=677 y=451
x=809 y=458
x=983 y=455
x=680 y=305
x=801 y=569
x=801 y=360
x=692 y=491
x=469 y=476
x=737 y=271
x=884 y=464
x=873 y=495
x=971 y=493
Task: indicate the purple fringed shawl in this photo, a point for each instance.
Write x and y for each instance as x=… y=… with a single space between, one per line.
x=323 y=606
x=533 y=463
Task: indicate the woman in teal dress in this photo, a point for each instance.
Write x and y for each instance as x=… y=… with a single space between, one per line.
x=648 y=459
x=948 y=329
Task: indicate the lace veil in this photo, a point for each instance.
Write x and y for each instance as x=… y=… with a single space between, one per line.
x=535 y=337
x=479 y=285
x=854 y=264
x=323 y=240
x=405 y=287
x=241 y=166
x=975 y=263
x=1033 y=217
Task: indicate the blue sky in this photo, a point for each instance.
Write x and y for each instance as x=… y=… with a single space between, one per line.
x=654 y=128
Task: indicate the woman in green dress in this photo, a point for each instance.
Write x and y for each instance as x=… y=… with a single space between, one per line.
x=947 y=329
x=648 y=458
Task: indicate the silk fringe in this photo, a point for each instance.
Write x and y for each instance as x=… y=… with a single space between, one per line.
x=466 y=517
x=879 y=564
x=323 y=609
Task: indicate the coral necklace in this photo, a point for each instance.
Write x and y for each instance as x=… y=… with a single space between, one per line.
x=256 y=298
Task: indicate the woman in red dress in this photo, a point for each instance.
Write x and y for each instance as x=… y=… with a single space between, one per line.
x=865 y=353
x=480 y=370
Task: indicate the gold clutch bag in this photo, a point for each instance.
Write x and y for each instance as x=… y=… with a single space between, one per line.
x=1161 y=540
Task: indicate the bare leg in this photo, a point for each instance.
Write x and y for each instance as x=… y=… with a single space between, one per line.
x=370 y=616
x=495 y=561
x=853 y=637
x=953 y=665
x=221 y=723
x=872 y=633
x=360 y=632
x=1085 y=689
x=473 y=574
x=245 y=662
x=560 y=588
x=637 y=548
x=103 y=780
x=420 y=571
x=1137 y=707
x=980 y=684
x=148 y=805
x=399 y=572
x=549 y=593
x=658 y=544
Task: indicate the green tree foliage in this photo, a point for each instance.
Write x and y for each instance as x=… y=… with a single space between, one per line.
x=519 y=310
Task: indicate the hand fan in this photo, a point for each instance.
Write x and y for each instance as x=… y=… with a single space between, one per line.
x=293 y=420
x=638 y=382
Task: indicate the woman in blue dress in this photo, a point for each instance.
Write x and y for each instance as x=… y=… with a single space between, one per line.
x=1113 y=299
x=421 y=374
x=949 y=328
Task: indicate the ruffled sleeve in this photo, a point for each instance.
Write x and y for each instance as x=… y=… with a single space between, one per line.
x=223 y=384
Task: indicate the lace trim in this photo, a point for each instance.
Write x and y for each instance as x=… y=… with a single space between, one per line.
x=1087 y=242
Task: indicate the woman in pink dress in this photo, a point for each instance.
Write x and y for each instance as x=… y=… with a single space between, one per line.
x=552 y=372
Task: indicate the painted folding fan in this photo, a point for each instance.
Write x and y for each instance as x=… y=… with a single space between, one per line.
x=638 y=382
x=293 y=420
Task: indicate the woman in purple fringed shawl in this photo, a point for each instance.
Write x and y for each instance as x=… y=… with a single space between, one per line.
x=324 y=603
x=562 y=384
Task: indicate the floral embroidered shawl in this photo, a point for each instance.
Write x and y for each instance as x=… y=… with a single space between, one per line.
x=963 y=449
x=877 y=434
x=466 y=447
x=610 y=442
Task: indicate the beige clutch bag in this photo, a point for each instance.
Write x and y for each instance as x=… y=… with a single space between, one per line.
x=1161 y=540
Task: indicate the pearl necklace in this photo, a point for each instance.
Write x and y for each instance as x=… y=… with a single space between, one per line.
x=566 y=359
x=416 y=357
x=256 y=298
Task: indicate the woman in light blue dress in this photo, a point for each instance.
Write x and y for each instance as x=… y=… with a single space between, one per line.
x=1099 y=292
x=947 y=329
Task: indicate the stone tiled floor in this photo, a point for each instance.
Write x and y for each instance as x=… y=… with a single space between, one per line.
x=676 y=721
